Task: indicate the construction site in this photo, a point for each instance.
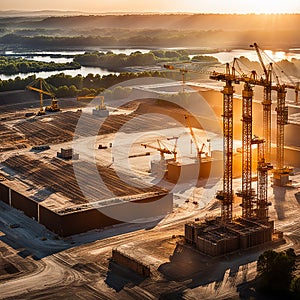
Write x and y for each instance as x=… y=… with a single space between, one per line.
x=43 y=185
x=221 y=184
x=253 y=227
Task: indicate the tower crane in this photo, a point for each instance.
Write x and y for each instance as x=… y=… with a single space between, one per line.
x=263 y=167
x=43 y=89
x=175 y=145
x=266 y=103
x=229 y=77
x=198 y=149
x=162 y=149
x=182 y=71
x=280 y=173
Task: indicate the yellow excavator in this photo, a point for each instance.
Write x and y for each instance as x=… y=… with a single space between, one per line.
x=43 y=89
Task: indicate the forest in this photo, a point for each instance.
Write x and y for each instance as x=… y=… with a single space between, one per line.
x=15 y=65
x=169 y=30
x=156 y=38
x=115 y=62
x=72 y=86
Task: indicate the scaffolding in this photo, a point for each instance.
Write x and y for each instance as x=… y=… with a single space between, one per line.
x=246 y=194
x=263 y=167
x=267 y=106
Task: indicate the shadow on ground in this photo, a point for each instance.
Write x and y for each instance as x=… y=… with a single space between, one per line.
x=193 y=269
x=118 y=277
x=32 y=239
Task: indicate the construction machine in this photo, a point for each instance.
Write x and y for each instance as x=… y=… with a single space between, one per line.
x=182 y=71
x=160 y=167
x=44 y=89
x=99 y=110
x=198 y=149
x=175 y=145
x=162 y=149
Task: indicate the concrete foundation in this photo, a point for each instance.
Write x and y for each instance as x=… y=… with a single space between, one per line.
x=215 y=238
x=159 y=167
x=209 y=167
x=80 y=218
x=100 y=112
x=182 y=171
x=281 y=179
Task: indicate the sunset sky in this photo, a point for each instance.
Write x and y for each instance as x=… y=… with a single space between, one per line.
x=197 y=6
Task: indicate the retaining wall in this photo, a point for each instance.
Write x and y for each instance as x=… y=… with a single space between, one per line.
x=131 y=263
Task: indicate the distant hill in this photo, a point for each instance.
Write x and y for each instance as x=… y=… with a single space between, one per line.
x=151 y=30
x=175 y=21
x=38 y=13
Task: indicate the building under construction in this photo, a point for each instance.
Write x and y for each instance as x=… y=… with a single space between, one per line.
x=50 y=194
x=44 y=186
x=215 y=238
x=226 y=234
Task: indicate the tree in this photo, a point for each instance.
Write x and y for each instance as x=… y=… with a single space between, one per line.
x=205 y=59
x=295 y=287
x=275 y=270
x=62 y=91
x=120 y=92
x=73 y=91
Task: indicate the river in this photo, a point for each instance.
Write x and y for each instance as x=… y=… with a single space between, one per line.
x=84 y=71
x=223 y=57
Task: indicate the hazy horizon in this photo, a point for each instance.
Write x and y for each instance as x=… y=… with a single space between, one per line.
x=141 y=13
x=156 y=6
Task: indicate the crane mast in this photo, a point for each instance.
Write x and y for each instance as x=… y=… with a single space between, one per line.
x=226 y=195
x=246 y=193
x=183 y=74
x=199 y=150
x=266 y=103
x=262 y=180
x=281 y=172
x=229 y=77
x=267 y=121
x=41 y=93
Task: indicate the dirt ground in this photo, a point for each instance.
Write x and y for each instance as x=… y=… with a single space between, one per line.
x=37 y=264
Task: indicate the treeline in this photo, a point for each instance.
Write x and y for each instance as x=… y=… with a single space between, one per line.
x=205 y=59
x=171 y=54
x=73 y=86
x=115 y=62
x=152 y=38
x=12 y=65
x=230 y=22
x=50 y=42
